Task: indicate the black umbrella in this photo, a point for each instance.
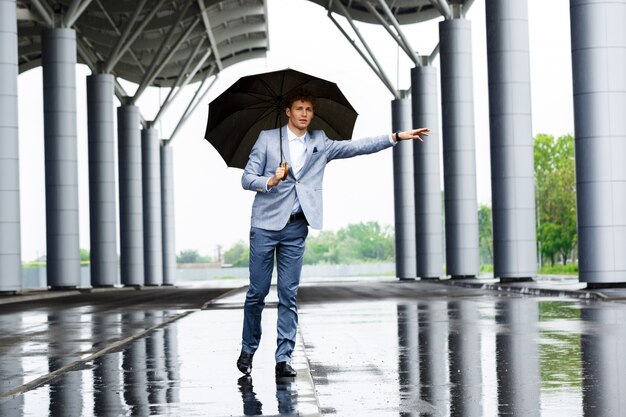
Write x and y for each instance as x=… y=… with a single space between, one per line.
x=256 y=102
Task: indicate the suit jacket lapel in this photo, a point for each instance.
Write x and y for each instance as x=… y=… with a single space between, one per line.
x=309 y=150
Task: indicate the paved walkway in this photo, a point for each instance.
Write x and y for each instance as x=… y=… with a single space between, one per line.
x=366 y=347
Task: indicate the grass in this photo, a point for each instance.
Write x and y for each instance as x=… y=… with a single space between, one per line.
x=559 y=269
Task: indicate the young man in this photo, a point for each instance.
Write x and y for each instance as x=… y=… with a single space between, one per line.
x=283 y=209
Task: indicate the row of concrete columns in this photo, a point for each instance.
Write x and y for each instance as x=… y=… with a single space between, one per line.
x=417 y=174
x=599 y=62
x=142 y=165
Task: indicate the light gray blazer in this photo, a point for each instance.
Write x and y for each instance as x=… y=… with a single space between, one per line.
x=271 y=209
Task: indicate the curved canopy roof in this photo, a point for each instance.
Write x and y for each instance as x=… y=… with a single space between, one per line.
x=404 y=11
x=149 y=42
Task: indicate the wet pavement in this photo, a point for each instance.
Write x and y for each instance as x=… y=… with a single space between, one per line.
x=373 y=347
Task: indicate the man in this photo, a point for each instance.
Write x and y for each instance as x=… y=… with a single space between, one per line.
x=283 y=209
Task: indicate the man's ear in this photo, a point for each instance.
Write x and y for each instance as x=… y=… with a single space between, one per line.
x=287 y=111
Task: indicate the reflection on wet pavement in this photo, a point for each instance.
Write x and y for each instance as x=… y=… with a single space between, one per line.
x=476 y=356
x=404 y=350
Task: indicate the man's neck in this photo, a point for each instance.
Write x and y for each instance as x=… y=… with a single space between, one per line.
x=298 y=132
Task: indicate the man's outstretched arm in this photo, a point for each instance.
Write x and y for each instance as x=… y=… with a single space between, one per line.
x=350 y=148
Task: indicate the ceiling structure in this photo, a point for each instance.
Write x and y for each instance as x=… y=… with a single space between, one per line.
x=149 y=40
x=171 y=43
x=131 y=38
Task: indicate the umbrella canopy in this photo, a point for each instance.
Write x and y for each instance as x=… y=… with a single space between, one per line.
x=256 y=102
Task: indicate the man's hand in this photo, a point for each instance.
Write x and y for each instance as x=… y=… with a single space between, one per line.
x=279 y=176
x=412 y=134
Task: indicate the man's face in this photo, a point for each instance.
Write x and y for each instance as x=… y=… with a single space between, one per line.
x=300 y=114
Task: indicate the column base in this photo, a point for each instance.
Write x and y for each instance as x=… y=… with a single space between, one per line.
x=508 y=280
x=603 y=285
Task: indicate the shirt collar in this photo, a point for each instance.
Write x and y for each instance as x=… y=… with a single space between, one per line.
x=292 y=136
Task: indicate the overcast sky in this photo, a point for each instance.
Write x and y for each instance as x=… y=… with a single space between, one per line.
x=211 y=207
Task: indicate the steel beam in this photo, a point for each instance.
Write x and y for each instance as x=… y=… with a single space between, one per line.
x=388 y=27
x=380 y=72
x=396 y=25
x=75 y=10
x=117 y=31
x=127 y=39
x=193 y=104
x=46 y=14
x=443 y=7
x=159 y=62
x=183 y=79
x=209 y=31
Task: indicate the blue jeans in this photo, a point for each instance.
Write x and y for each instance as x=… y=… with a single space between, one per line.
x=288 y=244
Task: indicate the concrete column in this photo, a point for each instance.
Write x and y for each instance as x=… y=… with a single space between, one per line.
x=428 y=213
x=131 y=201
x=61 y=155
x=152 y=238
x=10 y=246
x=598 y=65
x=512 y=171
x=459 y=154
x=102 y=222
x=167 y=214
x=403 y=192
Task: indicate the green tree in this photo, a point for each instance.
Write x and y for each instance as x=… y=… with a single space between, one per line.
x=366 y=242
x=555 y=186
x=84 y=255
x=238 y=254
x=188 y=256
x=323 y=248
x=485 y=234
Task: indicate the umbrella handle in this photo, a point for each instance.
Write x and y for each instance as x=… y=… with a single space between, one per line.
x=286 y=166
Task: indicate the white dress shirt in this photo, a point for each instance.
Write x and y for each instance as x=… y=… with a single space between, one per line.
x=297 y=150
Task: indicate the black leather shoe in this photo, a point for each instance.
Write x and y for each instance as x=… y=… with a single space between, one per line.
x=284 y=370
x=244 y=363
